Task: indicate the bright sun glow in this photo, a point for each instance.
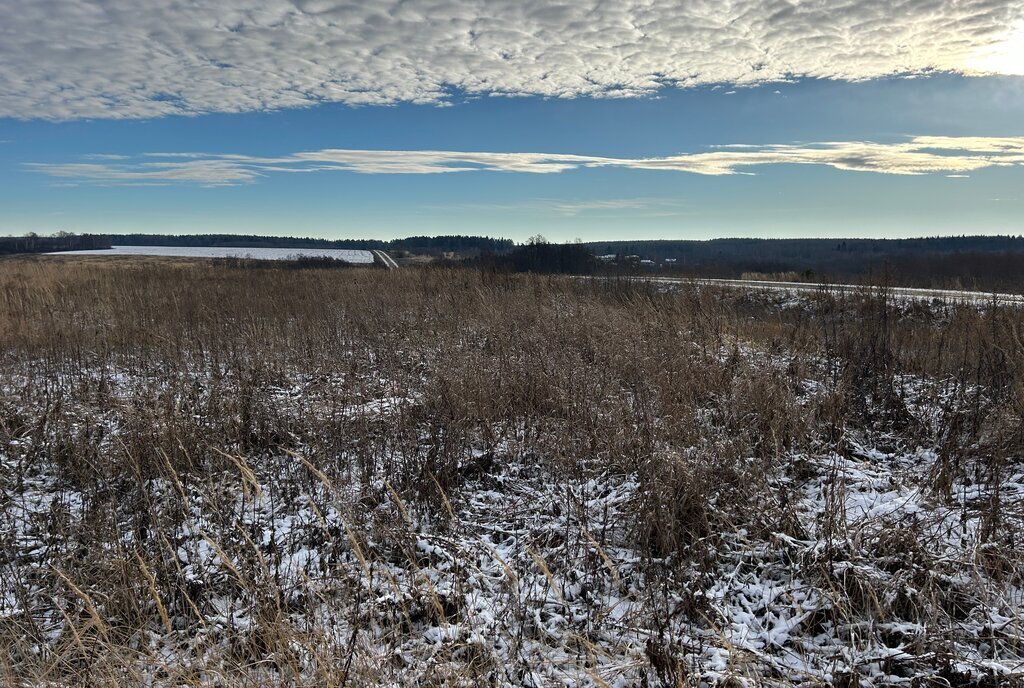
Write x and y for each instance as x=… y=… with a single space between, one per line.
x=1004 y=57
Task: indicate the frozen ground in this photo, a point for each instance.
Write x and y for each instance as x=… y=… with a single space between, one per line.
x=347 y=255
x=432 y=477
x=856 y=573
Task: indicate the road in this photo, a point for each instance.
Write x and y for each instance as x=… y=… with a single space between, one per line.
x=975 y=297
x=387 y=260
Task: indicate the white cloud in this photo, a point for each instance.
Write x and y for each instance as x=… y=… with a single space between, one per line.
x=644 y=206
x=919 y=155
x=202 y=172
x=66 y=59
x=604 y=206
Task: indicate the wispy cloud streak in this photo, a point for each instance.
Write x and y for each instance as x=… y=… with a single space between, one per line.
x=919 y=155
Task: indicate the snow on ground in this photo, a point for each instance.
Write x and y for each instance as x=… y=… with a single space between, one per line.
x=347 y=255
x=532 y=576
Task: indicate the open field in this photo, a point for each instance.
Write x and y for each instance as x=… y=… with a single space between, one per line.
x=259 y=253
x=251 y=477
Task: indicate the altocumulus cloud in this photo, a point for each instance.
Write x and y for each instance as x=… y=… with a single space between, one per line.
x=919 y=155
x=66 y=59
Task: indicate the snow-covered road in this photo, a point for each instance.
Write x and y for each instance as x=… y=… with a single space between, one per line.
x=976 y=297
x=387 y=260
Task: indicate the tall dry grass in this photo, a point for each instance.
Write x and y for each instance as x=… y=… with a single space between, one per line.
x=140 y=400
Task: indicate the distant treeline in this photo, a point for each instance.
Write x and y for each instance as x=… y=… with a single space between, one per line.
x=32 y=243
x=990 y=263
x=541 y=257
x=415 y=244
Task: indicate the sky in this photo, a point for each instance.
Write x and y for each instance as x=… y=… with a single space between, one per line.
x=591 y=120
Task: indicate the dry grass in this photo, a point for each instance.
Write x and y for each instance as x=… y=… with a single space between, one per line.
x=252 y=477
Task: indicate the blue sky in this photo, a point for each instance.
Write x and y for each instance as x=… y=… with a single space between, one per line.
x=804 y=140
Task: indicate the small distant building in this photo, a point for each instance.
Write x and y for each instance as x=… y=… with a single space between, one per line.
x=607 y=258
x=671 y=260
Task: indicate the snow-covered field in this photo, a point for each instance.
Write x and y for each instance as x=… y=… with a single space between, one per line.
x=347 y=255
x=532 y=577
x=440 y=480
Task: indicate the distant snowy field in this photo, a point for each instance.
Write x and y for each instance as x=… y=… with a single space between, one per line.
x=347 y=255
x=803 y=289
